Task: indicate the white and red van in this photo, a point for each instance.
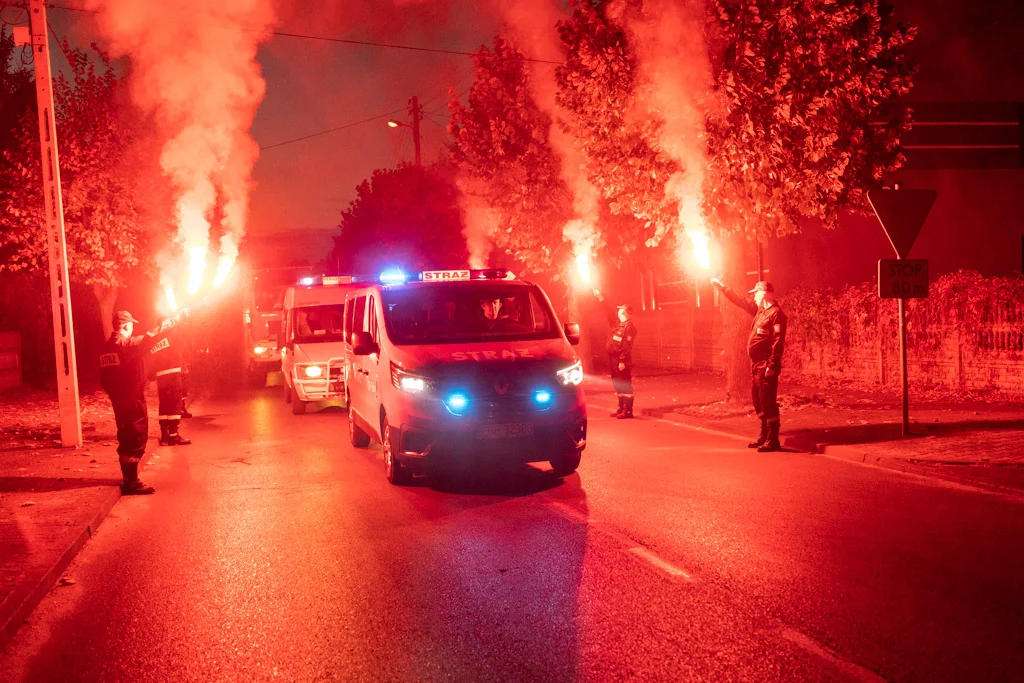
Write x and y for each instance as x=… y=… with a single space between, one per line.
x=313 y=340
x=462 y=363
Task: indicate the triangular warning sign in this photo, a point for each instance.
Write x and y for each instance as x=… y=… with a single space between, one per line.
x=902 y=213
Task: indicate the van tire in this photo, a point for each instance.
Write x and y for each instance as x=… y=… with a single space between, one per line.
x=566 y=463
x=356 y=436
x=287 y=392
x=298 y=405
x=393 y=470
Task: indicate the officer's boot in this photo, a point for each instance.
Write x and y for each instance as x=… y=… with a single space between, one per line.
x=627 y=408
x=762 y=438
x=165 y=433
x=173 y=437
x=132 y=486
x=618 y=412
x=772 y=444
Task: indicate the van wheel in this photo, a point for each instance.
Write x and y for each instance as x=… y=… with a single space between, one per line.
x=298 y=405
x=356 y=436
x=287 y=393
x=393 y=470
x=566 y=463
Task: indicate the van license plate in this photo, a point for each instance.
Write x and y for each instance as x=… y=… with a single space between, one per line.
x=508 y=430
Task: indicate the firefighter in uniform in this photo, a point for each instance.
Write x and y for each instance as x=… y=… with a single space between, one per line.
x=767 y=338
x=165 y=359
x=123 y=377
x=620 y=358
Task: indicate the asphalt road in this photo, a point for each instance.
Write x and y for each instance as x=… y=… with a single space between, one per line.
x=273 y=549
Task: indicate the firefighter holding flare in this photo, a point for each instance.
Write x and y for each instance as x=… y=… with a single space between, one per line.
x=620 y=358
x=765 y=346
x=123 y=377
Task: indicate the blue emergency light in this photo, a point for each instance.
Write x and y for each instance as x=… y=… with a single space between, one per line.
x=392 y=277
x=542 y=397
x=456 y=403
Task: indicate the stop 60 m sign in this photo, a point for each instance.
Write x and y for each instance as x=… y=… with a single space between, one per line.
x=903 y=278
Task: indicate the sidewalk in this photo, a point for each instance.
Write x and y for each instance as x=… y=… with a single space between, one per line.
x=52 y=499
x=972 y=442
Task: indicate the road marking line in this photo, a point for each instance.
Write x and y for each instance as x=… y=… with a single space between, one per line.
x=855 y=671
x=673 y=571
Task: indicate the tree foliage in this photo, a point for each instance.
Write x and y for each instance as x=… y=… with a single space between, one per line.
x=808 y=121
x=408 y=217
x=106 y=238
x=597 y=87
x=502 y=148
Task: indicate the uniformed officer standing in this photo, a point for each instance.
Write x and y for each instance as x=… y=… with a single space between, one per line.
x=123 y=377
x=620 y=358
x=166 y=362
x=767 y=338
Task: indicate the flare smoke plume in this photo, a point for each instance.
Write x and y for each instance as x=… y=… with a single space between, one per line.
x=194 y=72
x=532 y=24
x=676 y=78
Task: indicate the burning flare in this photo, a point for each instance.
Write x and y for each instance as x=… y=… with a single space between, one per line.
x=172 y=301
x=583 y=268
x=196 y=268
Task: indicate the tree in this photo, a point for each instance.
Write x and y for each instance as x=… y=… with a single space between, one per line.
x=597 y=87
x=808 y=122
x=502 y=148
x=407 y=217
x=106 y=238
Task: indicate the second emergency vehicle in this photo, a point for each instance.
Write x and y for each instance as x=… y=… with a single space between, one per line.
x=312 y=344
x=462 y=363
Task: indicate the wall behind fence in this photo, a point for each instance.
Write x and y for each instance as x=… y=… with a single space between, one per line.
x=967 y=336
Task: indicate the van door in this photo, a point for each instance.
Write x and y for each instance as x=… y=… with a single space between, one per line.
x=357 y=374
x=373 y=364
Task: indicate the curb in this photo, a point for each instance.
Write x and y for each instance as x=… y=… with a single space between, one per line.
x=17 y=607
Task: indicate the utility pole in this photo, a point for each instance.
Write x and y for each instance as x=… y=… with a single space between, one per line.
x=417 y=114
x=60 y=290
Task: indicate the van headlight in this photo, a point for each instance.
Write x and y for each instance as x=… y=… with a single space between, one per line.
x=571 y=376
x=310 y=370
x=408 y=382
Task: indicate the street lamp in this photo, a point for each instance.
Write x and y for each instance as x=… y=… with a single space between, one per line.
x=417 y=114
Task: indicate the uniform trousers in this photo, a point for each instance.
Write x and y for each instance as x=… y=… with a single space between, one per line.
x=764 y=391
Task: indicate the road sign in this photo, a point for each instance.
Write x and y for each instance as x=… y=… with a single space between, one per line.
x=902 y=213
x=903 y=278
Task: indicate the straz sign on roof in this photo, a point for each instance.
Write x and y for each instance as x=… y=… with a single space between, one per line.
x=445 y=275
x=337 y=280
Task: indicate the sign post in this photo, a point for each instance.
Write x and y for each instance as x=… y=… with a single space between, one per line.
x=902 y=213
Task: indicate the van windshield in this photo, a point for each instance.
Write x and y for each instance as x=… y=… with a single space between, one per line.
x=319 y=323
x=459 y=313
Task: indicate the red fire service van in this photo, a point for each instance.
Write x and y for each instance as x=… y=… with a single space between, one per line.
x=462 y=363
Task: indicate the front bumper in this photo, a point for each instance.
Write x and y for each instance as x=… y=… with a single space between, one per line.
x=322 y=388
x=497 y=430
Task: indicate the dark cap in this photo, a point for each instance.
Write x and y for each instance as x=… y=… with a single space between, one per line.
x=763 y=286
x=627 y=308
x=122 y=317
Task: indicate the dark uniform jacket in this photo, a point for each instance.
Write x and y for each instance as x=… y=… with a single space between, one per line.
x=767 y=334
x=165 y=356
x=123 y=360
x=620 y=343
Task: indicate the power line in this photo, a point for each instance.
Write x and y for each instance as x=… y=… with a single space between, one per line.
x=331 y=130
x=344 y=41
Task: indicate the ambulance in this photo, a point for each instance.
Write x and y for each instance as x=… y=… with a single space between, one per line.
x=313 y=341
x=468 y=364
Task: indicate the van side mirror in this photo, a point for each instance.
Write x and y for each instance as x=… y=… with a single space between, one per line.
x=572 y=333
x=363 y=344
